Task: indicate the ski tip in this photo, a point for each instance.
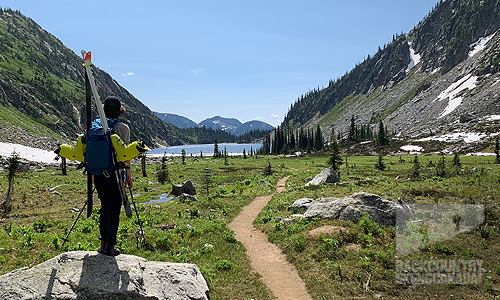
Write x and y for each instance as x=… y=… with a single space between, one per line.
x=88 y=56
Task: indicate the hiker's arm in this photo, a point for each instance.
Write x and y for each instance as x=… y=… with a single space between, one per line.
x=129 y=182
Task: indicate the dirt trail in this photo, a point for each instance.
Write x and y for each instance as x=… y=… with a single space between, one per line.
x=266 y=258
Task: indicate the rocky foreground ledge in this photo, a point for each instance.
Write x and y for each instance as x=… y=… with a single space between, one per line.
x=88 y=275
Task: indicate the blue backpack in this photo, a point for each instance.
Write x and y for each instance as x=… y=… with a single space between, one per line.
x=99 y=152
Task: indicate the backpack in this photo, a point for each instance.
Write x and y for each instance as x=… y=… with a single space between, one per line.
x=99 y=151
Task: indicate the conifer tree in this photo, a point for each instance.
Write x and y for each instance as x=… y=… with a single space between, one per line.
x=335 y=159
x=352 y=130
x=380 y=164
x=456 y=160
x=207 y=179
x=162 y=174
x=267 y=145
x=318 y=139
x=497 y=151
x=441 y=167
x=416 y=168
x=292 y=141
x=268 y=169
x=383 y=139
x=216 y=149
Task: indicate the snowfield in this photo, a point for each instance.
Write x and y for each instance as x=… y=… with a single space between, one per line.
x=412 y=149
x=414 y=59
x=466 y=82
x=479 y=45
x=467 y=137
x=492 y=118
x=27 y=153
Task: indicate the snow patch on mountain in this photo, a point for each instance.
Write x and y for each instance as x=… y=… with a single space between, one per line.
x=492 y=118
x=414 y=59
x=412 y=149
x=452 y=92
x=479 y=45
x=467 y=137
x=27 y=153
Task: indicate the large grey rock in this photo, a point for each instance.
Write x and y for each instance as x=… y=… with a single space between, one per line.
x=302 y=203
x=86 y=275
x=350 y=208
x=185 y=188
x=328 y=175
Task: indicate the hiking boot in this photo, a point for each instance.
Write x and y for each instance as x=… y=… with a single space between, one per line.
x=101 y=248
x=110 y=250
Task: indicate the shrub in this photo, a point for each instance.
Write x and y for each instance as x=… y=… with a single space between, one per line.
x=39 y=226
x=369 y=226
x=329 y=244
x=296 y=242
x=164 y=243
x=224 y=265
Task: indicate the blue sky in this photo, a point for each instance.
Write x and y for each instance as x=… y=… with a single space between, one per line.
x=248 y=60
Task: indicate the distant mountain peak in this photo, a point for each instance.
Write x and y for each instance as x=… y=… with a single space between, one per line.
x=230 y=125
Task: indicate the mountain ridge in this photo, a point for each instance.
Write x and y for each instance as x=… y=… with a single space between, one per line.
x=230 y=125
x=43 y=80
x=407 y=100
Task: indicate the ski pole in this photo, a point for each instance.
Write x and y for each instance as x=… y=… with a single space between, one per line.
x=83 y=208
x=138 y=220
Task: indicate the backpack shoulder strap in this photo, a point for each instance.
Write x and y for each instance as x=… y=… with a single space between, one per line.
x=112 y=123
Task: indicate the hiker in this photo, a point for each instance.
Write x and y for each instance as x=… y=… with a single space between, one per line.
x=107 y=186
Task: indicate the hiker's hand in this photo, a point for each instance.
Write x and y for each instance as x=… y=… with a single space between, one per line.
x=129 y=183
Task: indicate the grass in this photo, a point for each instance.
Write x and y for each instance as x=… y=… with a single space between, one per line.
x=358 y=261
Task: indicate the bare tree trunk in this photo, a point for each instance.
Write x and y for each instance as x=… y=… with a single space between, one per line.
x=6 y=205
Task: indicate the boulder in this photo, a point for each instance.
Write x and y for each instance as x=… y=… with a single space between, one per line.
x=350 y=208
x=87 y=275
x=184 y=197
x=467 y=117
x=185 y=188
x=301 y=203
x=328 y=175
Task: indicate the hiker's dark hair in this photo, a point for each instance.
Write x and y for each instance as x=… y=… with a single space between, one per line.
x=113 y=107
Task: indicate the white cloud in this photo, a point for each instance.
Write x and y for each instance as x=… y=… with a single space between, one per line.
x=128 y=74
x=259 y=118
x=275 y=116
x=196 y=71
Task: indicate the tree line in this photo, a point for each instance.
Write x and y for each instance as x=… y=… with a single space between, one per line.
x=204 y=135
x=285 y=140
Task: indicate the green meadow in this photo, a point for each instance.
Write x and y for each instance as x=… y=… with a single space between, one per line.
x=357 y=260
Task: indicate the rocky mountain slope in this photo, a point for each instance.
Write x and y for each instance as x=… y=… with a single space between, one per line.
x=442 y=77
x=176 y=120
x=42 y=90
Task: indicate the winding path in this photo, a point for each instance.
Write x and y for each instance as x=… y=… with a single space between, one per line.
x=266 y=258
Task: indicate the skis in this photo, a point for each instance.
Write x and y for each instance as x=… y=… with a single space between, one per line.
x=122 y=174
x=88 y=112
x=91 y=89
